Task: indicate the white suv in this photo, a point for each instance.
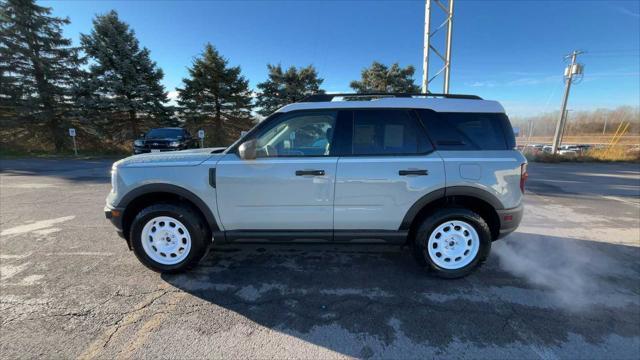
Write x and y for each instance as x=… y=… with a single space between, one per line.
x=437 y=172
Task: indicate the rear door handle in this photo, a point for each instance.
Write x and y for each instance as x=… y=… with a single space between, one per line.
x=309 y=172
x=413 y=172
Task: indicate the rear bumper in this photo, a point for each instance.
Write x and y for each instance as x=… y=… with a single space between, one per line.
x=510 y=220
x=115 y=216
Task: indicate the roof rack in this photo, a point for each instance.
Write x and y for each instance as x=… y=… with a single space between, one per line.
x=329 y=97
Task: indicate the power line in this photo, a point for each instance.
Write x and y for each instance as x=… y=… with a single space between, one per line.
x=617 y=51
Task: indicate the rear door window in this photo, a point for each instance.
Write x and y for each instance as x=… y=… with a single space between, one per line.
x=469 y=131
x=387 y=132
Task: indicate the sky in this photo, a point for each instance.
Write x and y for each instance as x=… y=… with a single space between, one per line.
x=510 y=51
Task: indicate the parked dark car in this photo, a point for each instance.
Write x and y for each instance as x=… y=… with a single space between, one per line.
x=164 y=139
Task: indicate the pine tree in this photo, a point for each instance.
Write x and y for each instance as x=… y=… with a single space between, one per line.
x=216 y=97
x=380 y=78
x=286 y=87
x=123 y=81
x=38 y=69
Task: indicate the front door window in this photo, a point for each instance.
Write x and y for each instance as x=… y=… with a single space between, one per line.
x=304 y=134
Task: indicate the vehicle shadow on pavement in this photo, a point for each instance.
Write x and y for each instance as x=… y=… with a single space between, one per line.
x=365 y=300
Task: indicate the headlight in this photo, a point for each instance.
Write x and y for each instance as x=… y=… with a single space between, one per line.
x=174 y=143
x=114 y=179
x=138 y=143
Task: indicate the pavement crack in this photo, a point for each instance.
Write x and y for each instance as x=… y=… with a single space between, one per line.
x=127 y=318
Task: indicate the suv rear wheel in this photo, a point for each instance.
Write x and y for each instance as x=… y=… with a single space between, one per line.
x=168 y=238
x=451 y=242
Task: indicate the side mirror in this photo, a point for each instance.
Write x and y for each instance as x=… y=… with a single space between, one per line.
x=247 y=150
x=141 y=136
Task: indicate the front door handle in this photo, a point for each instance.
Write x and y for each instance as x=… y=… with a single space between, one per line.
x=413 y=172
x=309 y=172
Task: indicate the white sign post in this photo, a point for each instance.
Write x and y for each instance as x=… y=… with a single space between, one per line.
x=201 y=136
x=72 y=133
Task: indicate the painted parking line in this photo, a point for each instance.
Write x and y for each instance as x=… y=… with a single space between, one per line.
x=14 y=256
x=29 y=186
x=616 y=198
x=35 y=226
x=80 y=253
x=9 y=271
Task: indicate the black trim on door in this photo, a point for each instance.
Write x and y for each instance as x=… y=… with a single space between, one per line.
x=317 y=236
x=279 y=236
x=370 y=236
x=341 y=145
x=212 y=177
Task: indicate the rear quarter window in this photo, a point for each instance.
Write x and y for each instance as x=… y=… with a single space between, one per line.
x=469 y=131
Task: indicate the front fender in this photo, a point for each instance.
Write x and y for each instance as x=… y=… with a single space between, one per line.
x=170 y=189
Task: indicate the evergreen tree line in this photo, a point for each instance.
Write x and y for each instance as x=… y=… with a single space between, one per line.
x=109 y=89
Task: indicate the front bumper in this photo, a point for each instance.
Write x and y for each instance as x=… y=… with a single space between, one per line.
x=115 y=216
x=510 y=220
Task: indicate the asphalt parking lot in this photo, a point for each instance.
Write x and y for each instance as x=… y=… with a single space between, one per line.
x=565 y=285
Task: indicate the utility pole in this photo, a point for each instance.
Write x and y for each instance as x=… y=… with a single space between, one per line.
x=572 y=69
x=429 y=48
x=564 y=128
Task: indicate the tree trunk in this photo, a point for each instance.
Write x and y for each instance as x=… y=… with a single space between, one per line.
x=53 y=124
x=46 y=96
x=217 y=125
x=133 y=123
x=50 y=119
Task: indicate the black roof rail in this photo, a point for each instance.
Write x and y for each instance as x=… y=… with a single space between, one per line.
x=329 y=97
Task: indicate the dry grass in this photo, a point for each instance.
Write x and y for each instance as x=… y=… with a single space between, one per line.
x=616 y=153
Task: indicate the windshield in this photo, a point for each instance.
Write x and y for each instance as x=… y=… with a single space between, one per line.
x=164 y=134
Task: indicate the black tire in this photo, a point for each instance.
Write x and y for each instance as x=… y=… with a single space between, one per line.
x=191 y=219
x=431 y=222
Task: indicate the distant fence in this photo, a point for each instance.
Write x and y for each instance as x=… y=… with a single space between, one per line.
x=629 y=140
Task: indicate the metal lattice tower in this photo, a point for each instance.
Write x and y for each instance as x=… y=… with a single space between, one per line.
x=430 y=48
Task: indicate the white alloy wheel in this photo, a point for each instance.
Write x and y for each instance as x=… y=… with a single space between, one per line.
x=453 y=245
x=166 y=240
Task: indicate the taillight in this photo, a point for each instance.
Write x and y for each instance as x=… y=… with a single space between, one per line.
x=524 y=175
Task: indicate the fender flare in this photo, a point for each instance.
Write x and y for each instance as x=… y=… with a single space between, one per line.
x=439 y=194
x=171 y=189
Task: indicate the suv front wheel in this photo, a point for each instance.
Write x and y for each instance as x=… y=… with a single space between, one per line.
x=168 y=238
x=452 y=242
